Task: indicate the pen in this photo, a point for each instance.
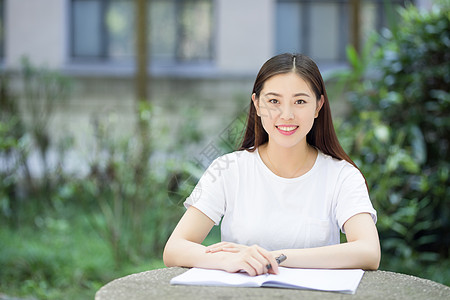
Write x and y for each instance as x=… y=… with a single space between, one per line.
x=279 y=260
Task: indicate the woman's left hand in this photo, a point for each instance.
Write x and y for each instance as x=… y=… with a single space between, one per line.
x=226 y=247
x=252 y=259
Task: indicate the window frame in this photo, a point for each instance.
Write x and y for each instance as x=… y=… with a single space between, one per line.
x=104 y=56
x=3 y=29
x=343 y=7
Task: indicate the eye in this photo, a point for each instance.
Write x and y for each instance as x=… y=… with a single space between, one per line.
x=300 y=102
x=274 y=101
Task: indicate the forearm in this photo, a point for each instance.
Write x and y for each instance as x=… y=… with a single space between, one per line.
x=357 y=254
x=184 y=253
x=184 y=248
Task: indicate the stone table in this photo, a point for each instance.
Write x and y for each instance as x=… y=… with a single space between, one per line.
x=374 y=285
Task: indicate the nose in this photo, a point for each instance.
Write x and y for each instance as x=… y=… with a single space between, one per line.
x=287 y=113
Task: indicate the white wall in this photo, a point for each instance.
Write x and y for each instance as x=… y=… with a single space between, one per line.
x=244 y=34
x=36 y=29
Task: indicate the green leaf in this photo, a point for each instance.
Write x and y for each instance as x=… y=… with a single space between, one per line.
x=353 y=58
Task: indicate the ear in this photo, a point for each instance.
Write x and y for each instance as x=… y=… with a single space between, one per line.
x=256 y=104
x=319 y=106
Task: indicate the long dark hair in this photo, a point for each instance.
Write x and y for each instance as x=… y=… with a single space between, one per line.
x=322 y=135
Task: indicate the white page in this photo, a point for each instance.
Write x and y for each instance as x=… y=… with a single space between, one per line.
x=344 y=281
x=197 y=276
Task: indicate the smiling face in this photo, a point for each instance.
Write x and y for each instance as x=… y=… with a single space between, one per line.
x=287 y=107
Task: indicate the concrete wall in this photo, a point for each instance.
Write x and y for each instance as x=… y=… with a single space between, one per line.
x=37 y=29
x=245 y=30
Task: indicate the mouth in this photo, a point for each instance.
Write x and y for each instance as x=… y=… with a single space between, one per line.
x=287 y=129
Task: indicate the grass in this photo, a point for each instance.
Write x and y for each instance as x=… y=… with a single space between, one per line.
x=60 y=259
x=61 y=255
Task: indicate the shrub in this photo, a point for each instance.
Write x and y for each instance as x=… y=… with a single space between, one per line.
x=398 y=134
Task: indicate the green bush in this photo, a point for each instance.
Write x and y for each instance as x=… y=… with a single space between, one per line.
x=398 y=134
x=68 y=234
x=28 y=99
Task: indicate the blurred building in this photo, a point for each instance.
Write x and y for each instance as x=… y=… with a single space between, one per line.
x=205 y=50
x=187 y=38
x=200 y=39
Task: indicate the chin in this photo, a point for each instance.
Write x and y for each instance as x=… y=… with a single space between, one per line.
x=286 y=144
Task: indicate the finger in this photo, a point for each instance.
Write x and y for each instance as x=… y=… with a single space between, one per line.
x=257 y=260
x=226 y=247
x=213 y=250
x=223 y=249
x=215 y=246
x=270 y=264
x=249 y=269
x=258 y=266
x=273 y=265
x=231 y=249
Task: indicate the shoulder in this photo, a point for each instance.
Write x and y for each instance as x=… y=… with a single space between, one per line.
x=341 y=168
x=233 y=161
x=240 y=156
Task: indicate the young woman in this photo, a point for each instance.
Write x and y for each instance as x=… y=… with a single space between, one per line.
x=288 y=190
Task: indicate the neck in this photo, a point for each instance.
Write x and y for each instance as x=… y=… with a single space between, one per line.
x=289 y=162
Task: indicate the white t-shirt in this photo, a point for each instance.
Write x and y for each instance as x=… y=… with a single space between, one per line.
x=260 y=207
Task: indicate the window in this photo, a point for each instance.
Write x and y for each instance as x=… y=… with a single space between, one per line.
x=179 y=30
x=320 y=28
x=2 y=30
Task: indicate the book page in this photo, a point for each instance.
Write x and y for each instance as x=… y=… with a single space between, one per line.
x=344 y=281
x=197 y=276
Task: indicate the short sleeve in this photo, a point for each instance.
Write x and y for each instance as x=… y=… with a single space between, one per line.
x=352 y=197
x=208 y=195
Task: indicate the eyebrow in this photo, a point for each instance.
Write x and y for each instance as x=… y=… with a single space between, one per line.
x=278 y=95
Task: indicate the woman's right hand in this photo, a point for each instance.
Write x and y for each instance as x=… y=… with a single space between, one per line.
x=251 y=259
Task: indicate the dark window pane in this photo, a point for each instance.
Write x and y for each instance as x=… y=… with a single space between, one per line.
x=320 y=29
x=120 y=29
x=179 y=30
x=195 y=30
x=2 y=30
x=289 y=29
x=163 y=30
x=325 y=33
x=87 y=28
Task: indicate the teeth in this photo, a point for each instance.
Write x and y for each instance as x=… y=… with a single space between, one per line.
x=287 y=128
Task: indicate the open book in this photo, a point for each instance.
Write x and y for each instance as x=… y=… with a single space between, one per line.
x=343 y=281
